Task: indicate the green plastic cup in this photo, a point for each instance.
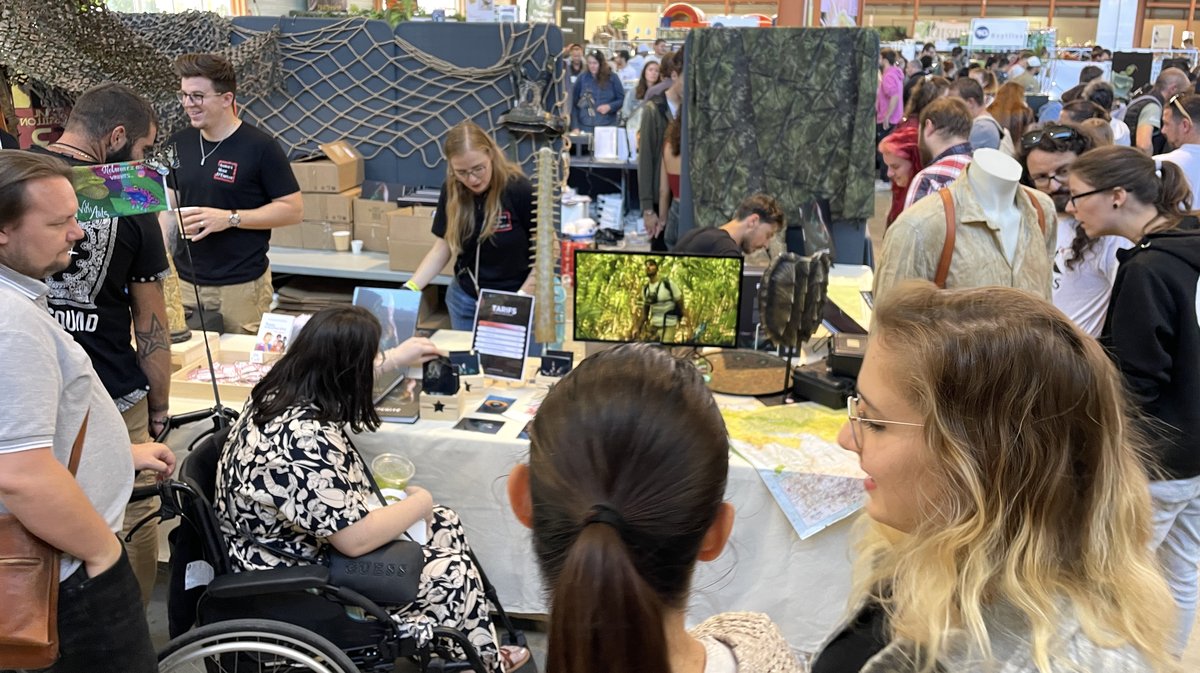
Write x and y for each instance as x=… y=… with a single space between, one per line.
x=392 y=471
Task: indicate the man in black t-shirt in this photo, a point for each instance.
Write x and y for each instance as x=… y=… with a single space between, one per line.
x=757 y=220
x=235 y=184
x=113 y=283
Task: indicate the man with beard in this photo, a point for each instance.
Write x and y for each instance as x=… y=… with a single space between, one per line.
x=945 y=127
x=1084 y=268
x=662 y=308
x=57 y=407
x=757 y=220
x=575 y=65
x=1179 y=127
x=114 y=283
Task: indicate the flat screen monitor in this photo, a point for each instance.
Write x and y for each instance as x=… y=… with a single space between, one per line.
x=677 y=300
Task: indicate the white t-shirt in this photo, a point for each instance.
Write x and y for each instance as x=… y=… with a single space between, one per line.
x=1120 y=132
x=1083 y=292
x=1186 y=157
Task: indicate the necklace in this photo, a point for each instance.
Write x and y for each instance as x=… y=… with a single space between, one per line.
x=205 y=155
x=77 y=151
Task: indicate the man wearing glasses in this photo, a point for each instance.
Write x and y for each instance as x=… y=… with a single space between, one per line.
x=235 y=184
x=1179 y=128
x=1084 y=268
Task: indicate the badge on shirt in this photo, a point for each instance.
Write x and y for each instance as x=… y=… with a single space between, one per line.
x=505 y=223
x=226 y=171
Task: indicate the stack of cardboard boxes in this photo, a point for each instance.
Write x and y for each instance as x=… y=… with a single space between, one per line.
x=410 y=237
x=329 y=185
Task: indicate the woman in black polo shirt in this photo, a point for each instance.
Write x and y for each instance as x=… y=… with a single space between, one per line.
x=484 y=220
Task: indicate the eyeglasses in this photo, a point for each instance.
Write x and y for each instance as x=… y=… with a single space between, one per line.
x=1179 y=106
x=1094 y=191
x=194 y=98
x=1052 y=131
x=476 y=172
x=857 y=422
x=1060 y=176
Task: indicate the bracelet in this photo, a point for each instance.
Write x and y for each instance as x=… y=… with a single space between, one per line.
x=410 y=285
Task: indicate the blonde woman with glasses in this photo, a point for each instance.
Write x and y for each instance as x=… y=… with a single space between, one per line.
x=1008 y=521
x=484 y=222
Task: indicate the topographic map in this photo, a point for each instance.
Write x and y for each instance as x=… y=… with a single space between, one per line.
x=794 y=449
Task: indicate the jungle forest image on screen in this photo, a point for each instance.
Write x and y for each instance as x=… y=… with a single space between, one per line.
x=660 y=298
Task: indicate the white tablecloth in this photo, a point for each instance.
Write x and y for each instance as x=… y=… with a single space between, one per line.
x=802 y=585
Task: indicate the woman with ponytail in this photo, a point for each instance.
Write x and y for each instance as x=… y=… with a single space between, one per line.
x=1152 y=333
x=624 y=491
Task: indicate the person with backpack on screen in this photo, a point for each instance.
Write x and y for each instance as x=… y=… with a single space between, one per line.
x=662 y=307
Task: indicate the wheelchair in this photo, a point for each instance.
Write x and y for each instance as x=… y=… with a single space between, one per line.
x=283 y=620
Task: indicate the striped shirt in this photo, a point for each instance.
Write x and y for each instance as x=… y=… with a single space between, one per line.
x=945 y=169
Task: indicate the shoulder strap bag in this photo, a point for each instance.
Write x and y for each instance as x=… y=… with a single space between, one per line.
x=943 y=267
x=29 y=589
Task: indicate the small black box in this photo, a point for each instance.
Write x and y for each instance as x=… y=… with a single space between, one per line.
x=846 y=353
x=815 y=383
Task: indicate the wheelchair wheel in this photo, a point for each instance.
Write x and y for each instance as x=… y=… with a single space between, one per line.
x=252 y=646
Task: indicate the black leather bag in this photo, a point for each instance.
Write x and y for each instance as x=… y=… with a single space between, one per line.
x=389 y=575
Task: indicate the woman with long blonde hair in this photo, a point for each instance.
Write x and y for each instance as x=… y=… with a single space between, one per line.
x=484 y=222
x=1008 y=519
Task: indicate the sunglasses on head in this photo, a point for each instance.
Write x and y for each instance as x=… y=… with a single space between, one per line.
x=1175 y=102
x=1053 y=131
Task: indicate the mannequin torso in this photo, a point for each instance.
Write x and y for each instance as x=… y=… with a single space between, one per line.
x=994 y=178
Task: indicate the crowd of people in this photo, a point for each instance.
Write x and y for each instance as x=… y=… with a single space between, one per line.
x=1024 y=413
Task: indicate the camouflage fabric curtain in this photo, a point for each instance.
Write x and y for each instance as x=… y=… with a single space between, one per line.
x=786 y=111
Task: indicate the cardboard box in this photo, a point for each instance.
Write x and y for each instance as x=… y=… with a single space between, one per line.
x=410 y=238
x=370 y=211
x=290 y=236
x=319 y=235
x=432 y=313
x=231 y=393
x=337 y=168
x=191 y=352
x=330 y=207
x=373 y=236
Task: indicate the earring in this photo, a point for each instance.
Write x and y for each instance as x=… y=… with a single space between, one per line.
x=1115 y=206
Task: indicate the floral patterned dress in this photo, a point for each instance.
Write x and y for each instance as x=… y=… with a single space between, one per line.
x=296 y=481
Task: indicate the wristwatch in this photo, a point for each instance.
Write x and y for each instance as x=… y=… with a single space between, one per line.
x=235 y=220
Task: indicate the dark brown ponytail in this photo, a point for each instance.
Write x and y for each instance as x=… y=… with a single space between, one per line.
x=627 y=468
x=1175 y=194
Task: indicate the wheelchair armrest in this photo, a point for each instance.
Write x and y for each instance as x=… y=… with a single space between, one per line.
x=276 y=580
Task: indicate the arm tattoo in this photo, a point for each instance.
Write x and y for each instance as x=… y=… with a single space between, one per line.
x=152 y=340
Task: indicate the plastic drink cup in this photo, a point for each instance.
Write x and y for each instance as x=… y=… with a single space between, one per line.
x=341 y=241
x=392 y=471
x=356 y=246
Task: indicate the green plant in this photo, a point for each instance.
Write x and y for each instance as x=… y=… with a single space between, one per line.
x=620 y=23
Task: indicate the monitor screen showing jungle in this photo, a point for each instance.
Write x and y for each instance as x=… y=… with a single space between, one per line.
x=678 y=300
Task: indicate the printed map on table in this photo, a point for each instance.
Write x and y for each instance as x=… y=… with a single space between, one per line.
x=794 y=449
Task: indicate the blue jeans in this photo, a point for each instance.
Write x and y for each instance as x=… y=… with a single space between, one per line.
x=1177 y=541
x=461 y=306
x=462 y=313
x=101 y=625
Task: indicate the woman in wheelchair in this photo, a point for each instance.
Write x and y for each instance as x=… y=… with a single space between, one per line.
x=624 y=491
x=290 y=484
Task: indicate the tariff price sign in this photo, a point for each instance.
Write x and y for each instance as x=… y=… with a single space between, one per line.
x=502 y=328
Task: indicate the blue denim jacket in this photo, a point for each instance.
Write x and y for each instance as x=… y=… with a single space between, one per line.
x=590 y=94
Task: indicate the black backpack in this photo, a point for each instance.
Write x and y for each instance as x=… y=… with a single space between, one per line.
x=675 y=310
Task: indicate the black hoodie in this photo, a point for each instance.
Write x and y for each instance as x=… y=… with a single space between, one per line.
x=1153 y=334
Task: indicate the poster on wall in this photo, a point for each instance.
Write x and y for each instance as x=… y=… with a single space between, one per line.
x=999 y=34
x=941 y=31
x=1162 y=36
x=843 y=13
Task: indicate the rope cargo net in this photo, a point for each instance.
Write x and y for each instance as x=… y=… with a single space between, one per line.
x=293 y=84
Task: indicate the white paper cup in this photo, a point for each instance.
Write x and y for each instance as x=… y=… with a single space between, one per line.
x=341 y=241
x=356 y=246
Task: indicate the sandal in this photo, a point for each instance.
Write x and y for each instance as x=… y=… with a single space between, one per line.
x=513 y=657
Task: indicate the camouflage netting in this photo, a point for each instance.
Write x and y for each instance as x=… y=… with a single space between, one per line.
x=786 y=111
x=58 y=49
